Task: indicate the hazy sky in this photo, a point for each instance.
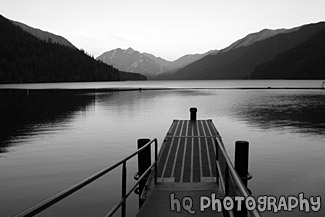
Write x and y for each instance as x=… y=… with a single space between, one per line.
x=165 y=28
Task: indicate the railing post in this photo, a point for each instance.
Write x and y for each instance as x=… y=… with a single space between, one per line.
x=227 y=180
x=123 y=213
x=241 y=160
x=217 y=160
x=144 y=162
x=156 y=159
x=193 y=114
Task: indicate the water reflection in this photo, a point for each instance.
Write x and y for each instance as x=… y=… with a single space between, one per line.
x=40 y=112
x=299 y=111
x=25 y=113
x=29 y=113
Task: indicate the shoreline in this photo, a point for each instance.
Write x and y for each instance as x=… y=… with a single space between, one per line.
x=157 y=88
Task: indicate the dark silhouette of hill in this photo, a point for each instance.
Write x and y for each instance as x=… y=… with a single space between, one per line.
x=306 y=61
x=43 y=35
x=25 y=58
x=240 y=61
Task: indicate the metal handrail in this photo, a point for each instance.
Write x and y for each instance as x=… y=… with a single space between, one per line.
x=230 y=170
x=115 y=208
x=65 y=193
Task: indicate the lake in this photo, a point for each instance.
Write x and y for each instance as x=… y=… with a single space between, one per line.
x=52 y=139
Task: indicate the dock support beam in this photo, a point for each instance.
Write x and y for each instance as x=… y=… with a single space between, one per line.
x=193 y=114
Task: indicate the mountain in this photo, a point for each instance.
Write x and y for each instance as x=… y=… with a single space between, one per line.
x=239 y=59
x=45 y=36
x=306 y=61
x=147 y=64
x=255 y=37
x=191 y=58
x=25 y=58
x=133 y=61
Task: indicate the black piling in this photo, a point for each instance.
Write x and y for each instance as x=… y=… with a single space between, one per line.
x=193 y=114
x=241 y=166
x=241 y=160
x=144 y=162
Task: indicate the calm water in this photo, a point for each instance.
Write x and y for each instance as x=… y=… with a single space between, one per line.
x=50 y=140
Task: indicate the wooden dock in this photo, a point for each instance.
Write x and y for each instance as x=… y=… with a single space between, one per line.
x=186 y=168
x=190 y=177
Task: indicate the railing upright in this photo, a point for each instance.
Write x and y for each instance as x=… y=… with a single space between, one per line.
x=156 y=159
x=217 y=160
x=123 y=190
x=227 y=180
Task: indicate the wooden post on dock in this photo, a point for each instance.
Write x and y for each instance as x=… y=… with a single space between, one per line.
x=193 y=114
x=144 y=162
x=241 y=166
x=241 y=160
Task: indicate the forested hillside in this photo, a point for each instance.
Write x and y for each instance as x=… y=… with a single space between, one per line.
x=25 y=58
x=306 y=61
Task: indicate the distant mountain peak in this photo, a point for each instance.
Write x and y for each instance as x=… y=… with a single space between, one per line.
x=130 y=50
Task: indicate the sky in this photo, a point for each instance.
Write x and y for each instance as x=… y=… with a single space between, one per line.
x=164 y=28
